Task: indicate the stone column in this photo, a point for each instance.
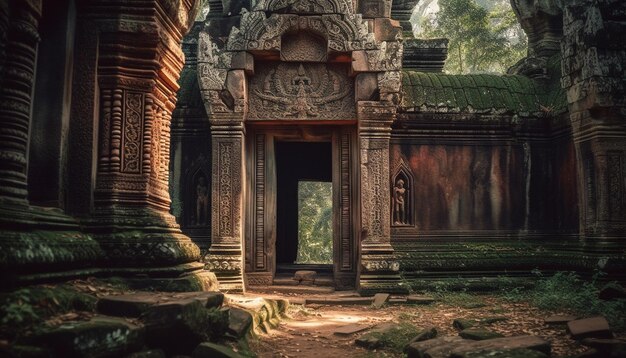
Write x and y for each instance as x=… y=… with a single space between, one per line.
x=592 y=54
x=34 y=242
x=379 y=271
x=139 y=62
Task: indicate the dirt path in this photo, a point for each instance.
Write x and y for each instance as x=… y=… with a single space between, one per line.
x=310 y=330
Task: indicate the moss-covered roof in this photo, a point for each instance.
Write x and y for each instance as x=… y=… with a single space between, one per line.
x=482 y=93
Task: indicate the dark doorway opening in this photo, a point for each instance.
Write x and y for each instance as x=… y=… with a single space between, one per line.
x=297 y=162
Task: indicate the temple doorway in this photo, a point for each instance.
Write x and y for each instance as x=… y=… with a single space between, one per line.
x=304 y=220
x=301 y=204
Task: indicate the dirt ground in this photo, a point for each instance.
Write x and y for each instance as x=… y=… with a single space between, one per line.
x=309 y=332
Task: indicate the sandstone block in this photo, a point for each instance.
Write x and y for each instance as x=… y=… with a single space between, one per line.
x=596 y=327
x=477 y=334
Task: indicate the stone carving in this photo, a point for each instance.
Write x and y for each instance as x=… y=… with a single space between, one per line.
x=402 y=184
x=399 y=206
x=133 y=113
x=258 y=32
x=303 y=47
x=301 y=91
x=307 y=6
x=202 y=201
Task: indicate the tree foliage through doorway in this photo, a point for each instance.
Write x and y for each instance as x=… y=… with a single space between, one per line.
x=315 y=222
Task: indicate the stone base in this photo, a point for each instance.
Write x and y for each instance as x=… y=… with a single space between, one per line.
x=225 y=260
x=380 y=271
x=43 y=243
x=200 y=280
x=142 y=236
x=370 y=285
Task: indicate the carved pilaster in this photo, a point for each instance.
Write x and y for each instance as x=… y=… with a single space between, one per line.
x=225 y=256
x=379 y=271
x=138 y=64
x=597 y=105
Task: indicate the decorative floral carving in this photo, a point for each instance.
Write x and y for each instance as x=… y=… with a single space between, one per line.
x=133 y=114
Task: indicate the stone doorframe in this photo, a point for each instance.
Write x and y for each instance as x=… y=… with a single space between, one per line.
x=261 y=222
x=351 y=63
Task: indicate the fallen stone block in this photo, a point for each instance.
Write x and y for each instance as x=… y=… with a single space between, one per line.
x=239 y=322
x=477 y=334
x=425 y=334
x=596 y=327
x=208 y=299
x=462 y=323
x=178 y=326
x=393 y=335
x=419 y=349
x=559 y=319
x=350 y=329
x=100 y=336
x=212 y=350
x=132 y=305
x=502 y=344
x=420 y=300
x=380 y=299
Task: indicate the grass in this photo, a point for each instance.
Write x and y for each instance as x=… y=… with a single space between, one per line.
x=394 y=338
x=567 y=291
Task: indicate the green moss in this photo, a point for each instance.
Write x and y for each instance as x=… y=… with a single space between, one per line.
x=31 y=305
x=394 y=338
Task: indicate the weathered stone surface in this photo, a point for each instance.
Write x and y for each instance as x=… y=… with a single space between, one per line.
x=507 y=353
x=419 y=349
x=425 y=334
x=386 y=29
x=340 y=301
x=212 y=350
x=305 y=275
x=132 y=305
x=239 y=322
x=178 y=326
x=387 y=335
x=101 y=336
x=501 y=344
x=595 y=327
x=420 y=299
x=559 y=319
x=380 y=299
x=478 y=334
x=366 y=87
x=462 y=323
x=350 y=329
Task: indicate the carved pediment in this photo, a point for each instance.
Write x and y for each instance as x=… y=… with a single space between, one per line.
x=307 y=6
x=301 y=91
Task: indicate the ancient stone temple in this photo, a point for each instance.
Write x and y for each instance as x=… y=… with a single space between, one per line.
x=136 y=142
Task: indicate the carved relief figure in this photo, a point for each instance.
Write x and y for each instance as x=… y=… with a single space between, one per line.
x=399 y=197
x=202 y=202
x=300 y=91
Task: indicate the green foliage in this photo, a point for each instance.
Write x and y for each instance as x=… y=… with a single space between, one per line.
x=31 y=305
x=567 y=291
x=315 y=222
x=484 y=38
